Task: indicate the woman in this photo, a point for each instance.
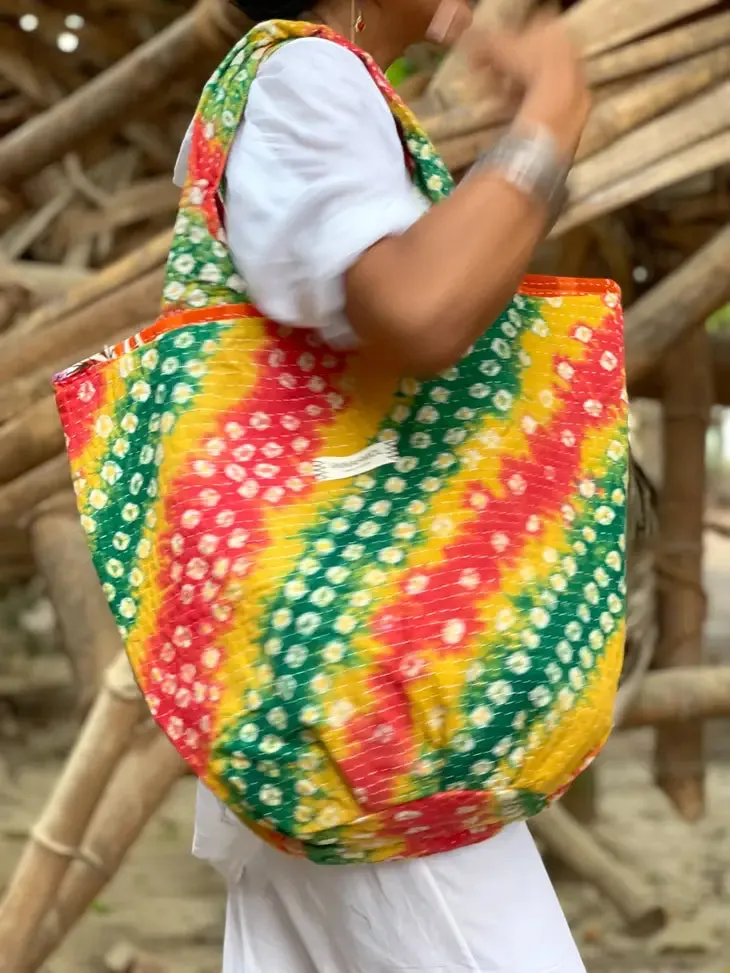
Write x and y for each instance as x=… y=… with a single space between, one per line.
x=325 y=226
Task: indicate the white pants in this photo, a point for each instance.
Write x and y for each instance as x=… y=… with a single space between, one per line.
x=489 y=908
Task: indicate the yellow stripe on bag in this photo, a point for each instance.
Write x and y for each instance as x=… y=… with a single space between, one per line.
x=214 y=398
x=580 y=731
x=87 y=465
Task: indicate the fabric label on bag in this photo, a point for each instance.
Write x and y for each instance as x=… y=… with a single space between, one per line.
x=341 y=467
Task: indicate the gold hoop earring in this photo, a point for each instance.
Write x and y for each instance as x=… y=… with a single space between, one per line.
x=357 y=22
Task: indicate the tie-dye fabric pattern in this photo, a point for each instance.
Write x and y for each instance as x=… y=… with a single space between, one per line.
x=396 y=662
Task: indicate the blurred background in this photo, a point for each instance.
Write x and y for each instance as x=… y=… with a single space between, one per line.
x=95 y=809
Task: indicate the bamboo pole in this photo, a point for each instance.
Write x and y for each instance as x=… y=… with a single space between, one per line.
x=602 y=25
x=116 y=93
x=574 y=845
x=465 y=119
x=679 y=753
x=615 y=116
x=141 y=782
x=44 y=280
x=649 y=385
x=25 y=392
x=681 y=695
x=682 y=301
x=696 y=120
x=695 y=160
x=19 y=498
x=660 y=50
x=459 y=153
x=88 y=629
x=30 y=439
x=119 y=274
x=116 y=311
x=12 y=300
x=581 y=798
x=55 y=839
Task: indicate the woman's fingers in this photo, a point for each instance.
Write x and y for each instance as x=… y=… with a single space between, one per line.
x=450 y=22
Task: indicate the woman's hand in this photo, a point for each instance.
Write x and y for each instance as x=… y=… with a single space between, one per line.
x=542 y=67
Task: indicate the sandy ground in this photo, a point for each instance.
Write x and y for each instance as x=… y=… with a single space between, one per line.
x=172 y=906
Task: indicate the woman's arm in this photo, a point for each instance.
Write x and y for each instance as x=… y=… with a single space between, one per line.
x=425 y=295
x=329 y=233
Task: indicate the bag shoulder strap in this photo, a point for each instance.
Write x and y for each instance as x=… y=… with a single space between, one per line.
x=225 y=96
x=200 y=272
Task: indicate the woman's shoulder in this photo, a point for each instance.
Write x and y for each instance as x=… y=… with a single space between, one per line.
x=311 y=54
x=316 y=70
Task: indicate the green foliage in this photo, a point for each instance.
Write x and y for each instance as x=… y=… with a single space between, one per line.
x=400 y=70
x=719 y=322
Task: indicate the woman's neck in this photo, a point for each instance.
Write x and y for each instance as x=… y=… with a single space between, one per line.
x=337 y=14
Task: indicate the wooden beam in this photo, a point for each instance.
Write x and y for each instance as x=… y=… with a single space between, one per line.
x=679 y=754
x=90 y=635
x=114 y=94
x=576 y=846
x=615 y=116
x=603 y=25
x=650 y=385
x=142 y=780
x=121 y=309
x=681 y=695
x=660 y=50
x=18 y=498
x=693 y=161
x=104 y=739
x=680 y=302
x=44 y=280
x=690 y=123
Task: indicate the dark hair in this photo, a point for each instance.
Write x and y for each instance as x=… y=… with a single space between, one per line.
x=259 y=10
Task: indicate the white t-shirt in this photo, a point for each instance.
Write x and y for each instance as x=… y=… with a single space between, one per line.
x=316 y=175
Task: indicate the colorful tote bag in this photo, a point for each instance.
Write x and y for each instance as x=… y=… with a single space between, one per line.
x=378 y=616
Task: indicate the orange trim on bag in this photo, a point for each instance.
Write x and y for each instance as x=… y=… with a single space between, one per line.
x=540 y=285
x=533 y=285
x=179 y=319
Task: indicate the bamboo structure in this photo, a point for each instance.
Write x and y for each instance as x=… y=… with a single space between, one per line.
x=86 y=624
x=57 y=837
x=141 y=781
x=88 y=140
x=679 y=747
x=568 y=839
